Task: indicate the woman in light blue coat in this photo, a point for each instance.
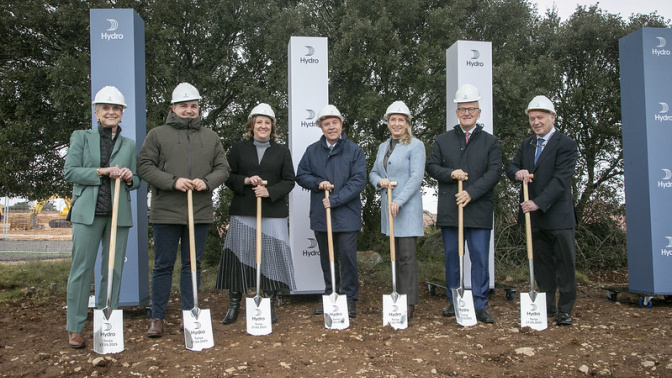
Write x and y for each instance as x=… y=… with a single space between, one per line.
x=402 y=159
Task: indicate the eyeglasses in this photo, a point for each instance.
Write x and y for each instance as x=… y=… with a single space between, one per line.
x=464 y=110
x=537 y=145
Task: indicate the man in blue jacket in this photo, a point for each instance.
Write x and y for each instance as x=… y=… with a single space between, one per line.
x=335 y=160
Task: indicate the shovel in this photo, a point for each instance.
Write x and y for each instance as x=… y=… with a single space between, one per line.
x=463 y=300
x=197 y=322
x=395 y=310
x=108 y=324
x=258 y=309
x=335 y=306
x=532 y=304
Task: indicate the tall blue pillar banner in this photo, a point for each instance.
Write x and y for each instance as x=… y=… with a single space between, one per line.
x=646 y=79
x=118 y=59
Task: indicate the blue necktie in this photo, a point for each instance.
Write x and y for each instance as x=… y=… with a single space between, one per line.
x=540 y=145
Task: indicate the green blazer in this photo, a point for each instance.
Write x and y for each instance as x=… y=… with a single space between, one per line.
x=81 y=162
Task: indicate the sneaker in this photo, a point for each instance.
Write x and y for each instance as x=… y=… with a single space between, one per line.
x=563 y=319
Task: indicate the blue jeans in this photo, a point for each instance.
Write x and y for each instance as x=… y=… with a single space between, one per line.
x=478 y=240
x=166 y=239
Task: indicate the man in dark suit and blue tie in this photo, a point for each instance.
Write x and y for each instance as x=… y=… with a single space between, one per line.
x=551 y=157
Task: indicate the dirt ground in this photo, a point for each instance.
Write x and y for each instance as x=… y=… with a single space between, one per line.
x=608 y=338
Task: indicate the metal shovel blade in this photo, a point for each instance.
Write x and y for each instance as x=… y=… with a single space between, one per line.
x=335 y=311
x=258 y=315
x=197 y=329
x=533 y=310
x=464 y=307
x=532 y=305
x=395 y=310
x=108 y=331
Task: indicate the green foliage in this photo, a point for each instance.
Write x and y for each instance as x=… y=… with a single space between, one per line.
x=235 y=52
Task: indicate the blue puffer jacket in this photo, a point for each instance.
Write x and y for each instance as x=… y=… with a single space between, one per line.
x=345 y=168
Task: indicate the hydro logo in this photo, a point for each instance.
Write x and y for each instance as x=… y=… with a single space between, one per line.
x=114 y=25
x=659 y=50
x=662 y=115
x=666 y=181
x=311 y=251
x=667 y=251
x=308 y=122
x=310 y=53
x=473 y=61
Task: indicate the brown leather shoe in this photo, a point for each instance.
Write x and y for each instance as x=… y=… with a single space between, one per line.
x=156 y=329
x=75 y=340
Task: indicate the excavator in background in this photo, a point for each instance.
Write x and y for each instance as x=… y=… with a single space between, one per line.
x=62 y=223
x=27 y=221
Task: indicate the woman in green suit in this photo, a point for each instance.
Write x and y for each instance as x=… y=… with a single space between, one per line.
x=94 y=160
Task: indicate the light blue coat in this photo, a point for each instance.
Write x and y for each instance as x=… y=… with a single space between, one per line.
x=406 y=166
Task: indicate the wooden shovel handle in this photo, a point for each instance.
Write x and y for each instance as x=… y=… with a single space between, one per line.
x=192 y=242
x=263 y=183
x=460 y=224
x=390 y=222
x=113 y=226
x=330 y=237
x=528 y=222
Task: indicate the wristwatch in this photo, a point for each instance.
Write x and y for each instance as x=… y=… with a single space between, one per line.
x=98 y=172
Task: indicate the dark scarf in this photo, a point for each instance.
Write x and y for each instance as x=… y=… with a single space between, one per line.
x=104 y=203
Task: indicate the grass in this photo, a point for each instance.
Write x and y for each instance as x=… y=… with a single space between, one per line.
x=37 y=280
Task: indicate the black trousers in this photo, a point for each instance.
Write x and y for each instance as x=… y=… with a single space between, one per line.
x=345 y=262
x=554 y=267
x=407 y=268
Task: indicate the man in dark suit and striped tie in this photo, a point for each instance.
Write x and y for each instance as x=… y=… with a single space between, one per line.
x=551 y=157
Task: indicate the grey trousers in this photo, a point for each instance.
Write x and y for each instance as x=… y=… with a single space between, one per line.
x=407 y=268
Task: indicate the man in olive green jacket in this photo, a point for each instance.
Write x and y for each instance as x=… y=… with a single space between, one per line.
x=179 y=156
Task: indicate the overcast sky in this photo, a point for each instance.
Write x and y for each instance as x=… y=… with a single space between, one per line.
x=623 y=7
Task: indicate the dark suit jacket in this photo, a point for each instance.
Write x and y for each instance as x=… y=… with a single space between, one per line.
x=551 y=187
x=81 y=162
x=276 y=167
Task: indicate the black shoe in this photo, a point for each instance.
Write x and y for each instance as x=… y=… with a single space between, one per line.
x=234 y=308
x=352 y=310
x=410 y=309
x=483 y=315
x=448 y=311
x=319 y=311
x=274 y=299
x=563 y=319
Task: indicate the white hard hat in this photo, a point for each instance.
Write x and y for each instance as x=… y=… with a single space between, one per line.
x=329 y=111
x=185 y=92
x=467 y=93
x=262 y=109
x=109 y=95
x=397 y=107
x=540 y=103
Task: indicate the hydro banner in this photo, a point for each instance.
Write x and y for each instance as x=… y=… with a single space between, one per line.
x=646 y=79
x=308 y=93
x=118 y=59
x=470 y=62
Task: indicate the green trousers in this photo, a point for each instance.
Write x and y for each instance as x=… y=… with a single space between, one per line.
x=85 y=242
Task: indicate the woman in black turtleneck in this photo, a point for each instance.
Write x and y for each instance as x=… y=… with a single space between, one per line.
x=258 y=157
